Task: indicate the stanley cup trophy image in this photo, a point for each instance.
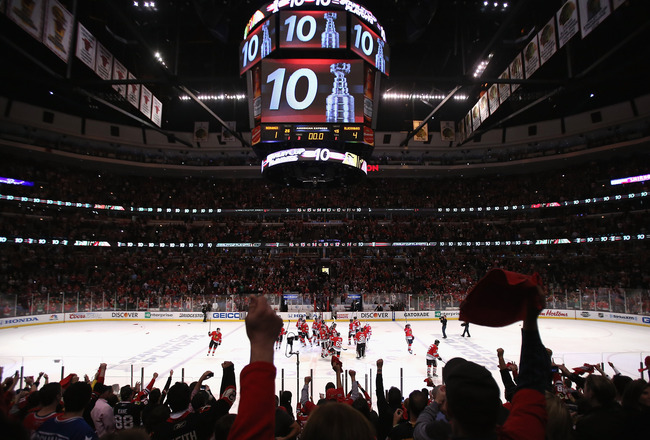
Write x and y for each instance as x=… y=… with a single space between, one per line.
x=340 y=104
x=379 y=58
x=60 y=23
x=266 y=40
x=330 y=38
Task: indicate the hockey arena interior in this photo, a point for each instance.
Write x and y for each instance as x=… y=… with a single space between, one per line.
x=323 y=219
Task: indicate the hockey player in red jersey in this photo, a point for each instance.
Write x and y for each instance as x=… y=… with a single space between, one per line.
x=360 y=339
x=432 y=356
x=324 y=337
x=305 y=333
x=368 y=331
x=315 y=329
x=357 y=324
x=337 y=343
x=215 y=341
x=409 y=336
x=278 y=342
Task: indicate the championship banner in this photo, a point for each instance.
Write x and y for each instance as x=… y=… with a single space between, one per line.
x=423 y=134
x=531 y=57
x=592 y=13
x=119 y=72
x=58 y=29
x=567 y=22
x=547 y=41
x=493 y=98
x=468 y=123
x=28 y=15
x=516 y=71
x=156 y=111
x=104 y=62
x=201 y=131
x=227 y=135
x=484 y=107
x=476 y=117
x=463 y=132
x=133 y=92
x=504 y=89
x=86 y=46
x=448 y=131
x=145 y=101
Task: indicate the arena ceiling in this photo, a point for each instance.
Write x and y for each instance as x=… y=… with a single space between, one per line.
x=435 y=47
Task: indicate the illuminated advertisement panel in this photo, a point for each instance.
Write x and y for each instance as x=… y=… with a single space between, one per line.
x=313 y=30
x=312 y=91
x=314 y=155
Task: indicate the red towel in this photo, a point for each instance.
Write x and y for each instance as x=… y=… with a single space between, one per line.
x=500 y=298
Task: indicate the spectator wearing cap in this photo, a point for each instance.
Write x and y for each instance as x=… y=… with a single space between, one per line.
x=102 y=413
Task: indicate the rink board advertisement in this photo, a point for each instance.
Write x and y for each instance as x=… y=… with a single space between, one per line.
x=57 y=318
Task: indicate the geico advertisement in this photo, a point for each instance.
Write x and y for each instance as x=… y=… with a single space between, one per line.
x=226 y=315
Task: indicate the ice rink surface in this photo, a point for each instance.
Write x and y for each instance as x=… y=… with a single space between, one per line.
x=131 y=347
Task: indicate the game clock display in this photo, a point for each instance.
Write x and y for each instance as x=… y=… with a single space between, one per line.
x=314 y=133
x=312 y=91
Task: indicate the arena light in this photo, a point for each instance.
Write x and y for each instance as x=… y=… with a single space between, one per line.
x=396 y=96
x=482 y=66
x=219 y=97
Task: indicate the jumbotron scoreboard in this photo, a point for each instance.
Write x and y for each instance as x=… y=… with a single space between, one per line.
x=313 y=69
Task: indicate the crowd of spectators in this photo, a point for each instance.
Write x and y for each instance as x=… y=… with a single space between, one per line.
x=42 y=279
x=81 y=185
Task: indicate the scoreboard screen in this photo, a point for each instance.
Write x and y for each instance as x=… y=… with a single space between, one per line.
x=259 y=44
x=312 y=91
x=368 y=45
x=313 y=69
x=313 y=30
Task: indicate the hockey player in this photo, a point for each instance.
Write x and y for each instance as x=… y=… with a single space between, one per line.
x=351 y=331
x=360 y=338
x=357 y=325
x=368 y=331
x=337 y=343
x=432 y=357
x=305 y=334
x=409 y=336
x=215 y=341
x=324 y=337
x=278 y=342
x=315 y=329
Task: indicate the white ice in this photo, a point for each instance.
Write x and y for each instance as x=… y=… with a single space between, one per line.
x=129 y=348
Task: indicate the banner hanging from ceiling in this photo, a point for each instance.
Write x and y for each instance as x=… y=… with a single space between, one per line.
x=28 y=15
x=57 y=35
